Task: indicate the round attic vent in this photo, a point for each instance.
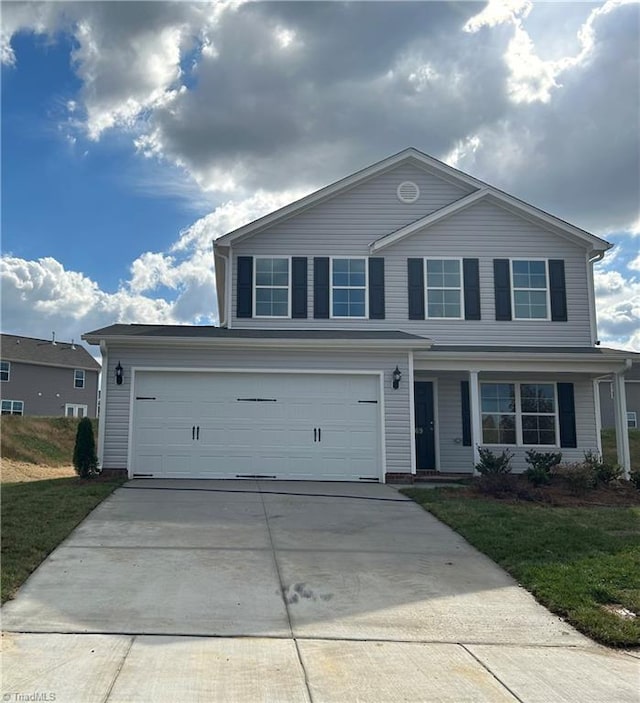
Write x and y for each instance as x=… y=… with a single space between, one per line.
x=408 y=192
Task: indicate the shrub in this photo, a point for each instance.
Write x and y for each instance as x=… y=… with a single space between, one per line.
x=85 y=459
x=579 y=476
x=495 y=472
x=634 y=477
x=491 y=464
x=540 y=465
x=605 y=472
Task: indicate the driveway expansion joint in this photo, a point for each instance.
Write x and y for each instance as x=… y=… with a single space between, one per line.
x=491 y=673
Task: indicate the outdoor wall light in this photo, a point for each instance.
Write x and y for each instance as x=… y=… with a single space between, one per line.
x=396 y=376
x=119 y=374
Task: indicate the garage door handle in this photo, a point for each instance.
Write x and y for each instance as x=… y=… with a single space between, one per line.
x=315 y=434
x=198 y=432
x=319 y=434
x=193 y=432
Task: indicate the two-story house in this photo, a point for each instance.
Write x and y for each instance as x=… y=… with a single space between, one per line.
x=45 y=377
x=386 y=325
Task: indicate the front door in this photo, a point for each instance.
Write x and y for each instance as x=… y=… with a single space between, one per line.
x=425 y=433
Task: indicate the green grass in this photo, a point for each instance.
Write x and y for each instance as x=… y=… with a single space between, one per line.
x=37 y=516
x=39 y=440
x=573 y=560
x=609 y=447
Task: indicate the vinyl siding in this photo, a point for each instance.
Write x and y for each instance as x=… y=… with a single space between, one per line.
x=45 y=390
x=632 y=390
x=396 y=402
x=484 y=231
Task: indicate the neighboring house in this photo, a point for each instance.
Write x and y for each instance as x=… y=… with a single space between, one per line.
x=40 y=377
x=632 y=386
x=386 y=325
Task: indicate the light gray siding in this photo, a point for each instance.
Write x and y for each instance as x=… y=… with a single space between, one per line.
x=117 y=405
x=45 y=390
x=484 y=231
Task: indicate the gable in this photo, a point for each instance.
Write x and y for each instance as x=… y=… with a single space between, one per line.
x=441 y=178
x=355 y=217
x=506 y=210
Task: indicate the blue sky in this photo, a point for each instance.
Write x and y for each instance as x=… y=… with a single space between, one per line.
x=135 y=133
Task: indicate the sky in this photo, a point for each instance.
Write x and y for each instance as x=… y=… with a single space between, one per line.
x=135 y=133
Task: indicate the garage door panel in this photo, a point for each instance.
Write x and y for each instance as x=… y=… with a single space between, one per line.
x=246 y=437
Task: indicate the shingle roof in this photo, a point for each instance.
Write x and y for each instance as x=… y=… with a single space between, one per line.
x=41 y=351
x=204 y=331
x=595 y=351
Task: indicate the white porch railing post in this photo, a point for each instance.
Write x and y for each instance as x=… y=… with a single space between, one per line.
x=620 y=414
x=474 y=409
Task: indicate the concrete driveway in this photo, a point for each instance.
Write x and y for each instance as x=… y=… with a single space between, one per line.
x=260 y=591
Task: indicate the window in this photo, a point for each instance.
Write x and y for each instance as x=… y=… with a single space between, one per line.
x=12 y=407
x=73 y=410
x=348 y=287
x=519 y=413
x=5 y=370
x=530 y=290
x=444 y=288
x=498 y=404
x=78 y=378
x=632 y=420
x=272 y=287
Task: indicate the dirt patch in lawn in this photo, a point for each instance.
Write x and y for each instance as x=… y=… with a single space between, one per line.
x=20 y=471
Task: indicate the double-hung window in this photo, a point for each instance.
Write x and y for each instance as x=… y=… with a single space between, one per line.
x=5 y=370
x=78 y=378
x=349 y=288
x=519 y=413
x=443 y=288
x=632 y=419
x=272 y=286
x=530 y=289
x=12 y=407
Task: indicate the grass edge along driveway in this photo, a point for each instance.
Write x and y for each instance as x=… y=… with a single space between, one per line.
x=577 y=562
x=37 y=516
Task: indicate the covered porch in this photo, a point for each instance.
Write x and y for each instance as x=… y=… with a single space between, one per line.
x=515 y=398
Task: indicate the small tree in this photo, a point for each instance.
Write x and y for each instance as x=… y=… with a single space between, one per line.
x=85 y=459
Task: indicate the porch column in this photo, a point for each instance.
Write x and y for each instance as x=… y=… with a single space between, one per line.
x=622 y=432
x=474 y=409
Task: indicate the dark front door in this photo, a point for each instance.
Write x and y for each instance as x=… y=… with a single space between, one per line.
x=425 y=434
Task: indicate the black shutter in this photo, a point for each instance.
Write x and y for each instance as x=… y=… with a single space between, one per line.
x=244 y=285
x=321 y=287
x=502 y=286
x=471 y=289
x=567 y=415
x=466 y=413
x=299 y=287
x=557 y=290
x=376 y=288
x=415 y=278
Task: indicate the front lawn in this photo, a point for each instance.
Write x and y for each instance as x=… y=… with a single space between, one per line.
x=582 y=563
x=37 y=516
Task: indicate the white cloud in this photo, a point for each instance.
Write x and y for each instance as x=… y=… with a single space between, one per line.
x=618 y=304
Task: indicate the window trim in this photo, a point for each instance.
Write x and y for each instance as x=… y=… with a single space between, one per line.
x=460 y=289
x=513 y=289
x=255 y=287
x=8 y=378
x=7 y=400
x=84 y=379
x=632 y=417
x=518 y=413
x=75 y=407
x=366 y=288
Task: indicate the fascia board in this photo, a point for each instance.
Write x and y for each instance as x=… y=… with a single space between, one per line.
x=438 y=168
x=505 y=363
x=257 y=343
x=83 y=365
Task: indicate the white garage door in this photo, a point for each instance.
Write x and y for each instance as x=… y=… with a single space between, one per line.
x=228 y=425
